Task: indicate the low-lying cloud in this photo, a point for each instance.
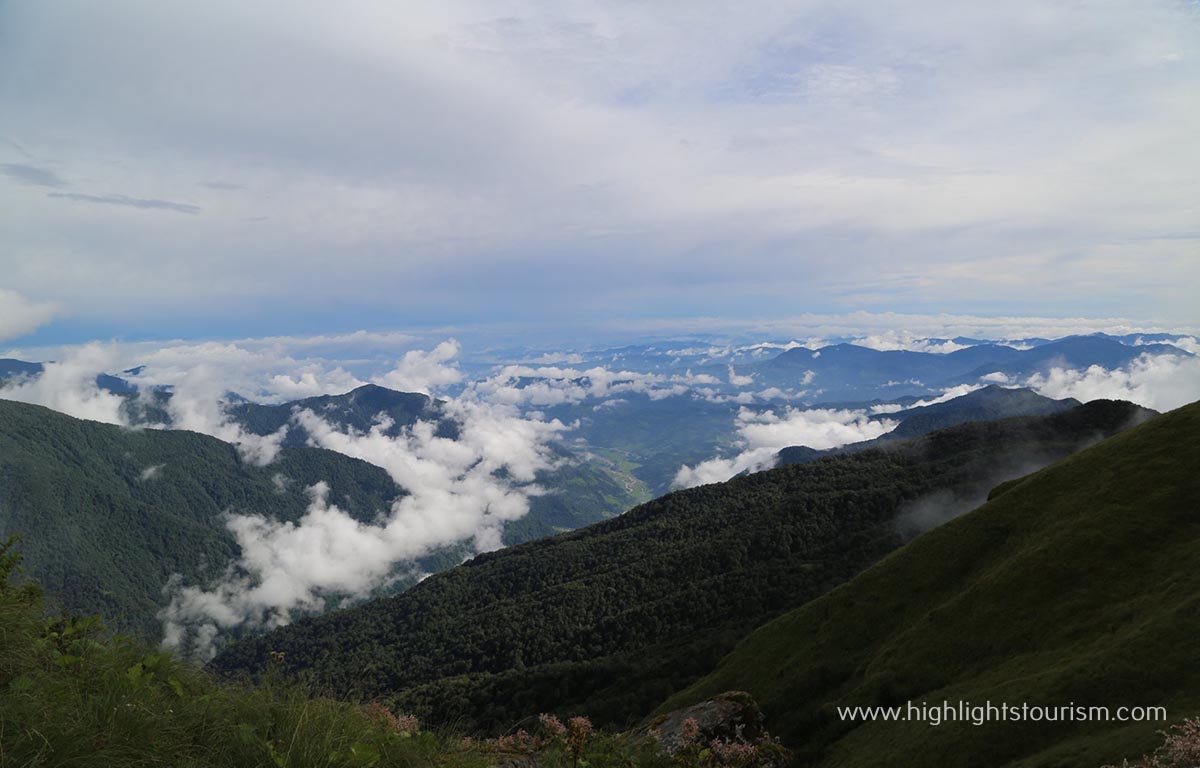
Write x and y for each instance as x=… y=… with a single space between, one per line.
x=1161 y=382
x=69 y=386
x=764 y=434
x=456 y=490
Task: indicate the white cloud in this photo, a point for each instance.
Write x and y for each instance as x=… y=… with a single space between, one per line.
x=1161 y=382
x=69 y=386
x=899 y=340
x=19 y=315
x=424 y=372
x=764 y=434
x=151 y=472
x=740 y=381
x=198 y=404
x=463 y=489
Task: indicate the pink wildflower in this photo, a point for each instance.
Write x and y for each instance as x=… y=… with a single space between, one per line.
x=552 y=725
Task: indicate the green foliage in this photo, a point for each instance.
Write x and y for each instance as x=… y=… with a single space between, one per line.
x=610 y=620
x=1079 y=584
x=102 y=537
x=73 y=695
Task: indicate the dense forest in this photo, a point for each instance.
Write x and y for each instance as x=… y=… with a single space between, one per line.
x=1078 y=584
x=108 y=514
x=612 y=619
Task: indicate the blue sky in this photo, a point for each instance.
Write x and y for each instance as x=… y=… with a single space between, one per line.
x=229 y=169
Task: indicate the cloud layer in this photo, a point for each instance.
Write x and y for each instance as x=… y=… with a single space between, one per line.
x=764 y=434
x=493 y=162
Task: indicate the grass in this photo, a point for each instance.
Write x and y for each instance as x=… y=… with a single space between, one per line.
x=1080 y=584
x=73 y=695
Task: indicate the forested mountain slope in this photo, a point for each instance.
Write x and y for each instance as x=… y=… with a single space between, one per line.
x=107 y=514
x=612 y=619
x=1079 y=584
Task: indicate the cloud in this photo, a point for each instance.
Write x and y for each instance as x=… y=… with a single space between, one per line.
x=424 y=372
x=19 y=316
x=949 y=394
x=899 y=340
x=547 y=385
x=458 y=490
x=1161 y=382
x=32 y=175
x=151 y=472
x=69 y=386
x=764 y=434
x=198 y=402
x=125 y=200
x=564 y=163
x=740 y=381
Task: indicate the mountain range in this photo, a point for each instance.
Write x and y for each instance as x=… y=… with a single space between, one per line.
x=611 y=619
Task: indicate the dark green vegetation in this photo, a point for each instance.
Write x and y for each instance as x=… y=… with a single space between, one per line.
x=73 y=695
x=987 y=404
x=1080 y=583
x=612 y=619
x=108 y=514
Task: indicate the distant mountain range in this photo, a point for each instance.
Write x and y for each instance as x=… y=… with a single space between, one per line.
x=611 y=619
x=847 y=371
x=1077 y=585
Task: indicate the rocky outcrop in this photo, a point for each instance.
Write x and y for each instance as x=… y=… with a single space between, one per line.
x=732 y=716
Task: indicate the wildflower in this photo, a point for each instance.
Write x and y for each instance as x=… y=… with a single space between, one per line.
x=689 y=732
x=734 y=754
x=397 y=723
x=552 y=725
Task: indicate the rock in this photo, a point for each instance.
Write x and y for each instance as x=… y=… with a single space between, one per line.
x=732 y=716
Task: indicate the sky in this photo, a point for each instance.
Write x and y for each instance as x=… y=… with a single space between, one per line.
x=231 y=170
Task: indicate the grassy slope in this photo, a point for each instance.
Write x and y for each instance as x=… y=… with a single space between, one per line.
x=1079 y=584
x=73 y=695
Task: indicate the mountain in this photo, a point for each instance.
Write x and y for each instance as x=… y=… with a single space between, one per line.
x=578 y=491
x=17 y=369
x=985 y=404
x=11 y=369
x=108 y=514
x=357 y=410
x=847 y=371
x=611 y=619
x=1078 y=584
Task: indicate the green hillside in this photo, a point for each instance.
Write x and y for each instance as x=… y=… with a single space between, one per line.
x=107 y=514
x=1080 y=583
x=72 y=694
x=612 y=619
